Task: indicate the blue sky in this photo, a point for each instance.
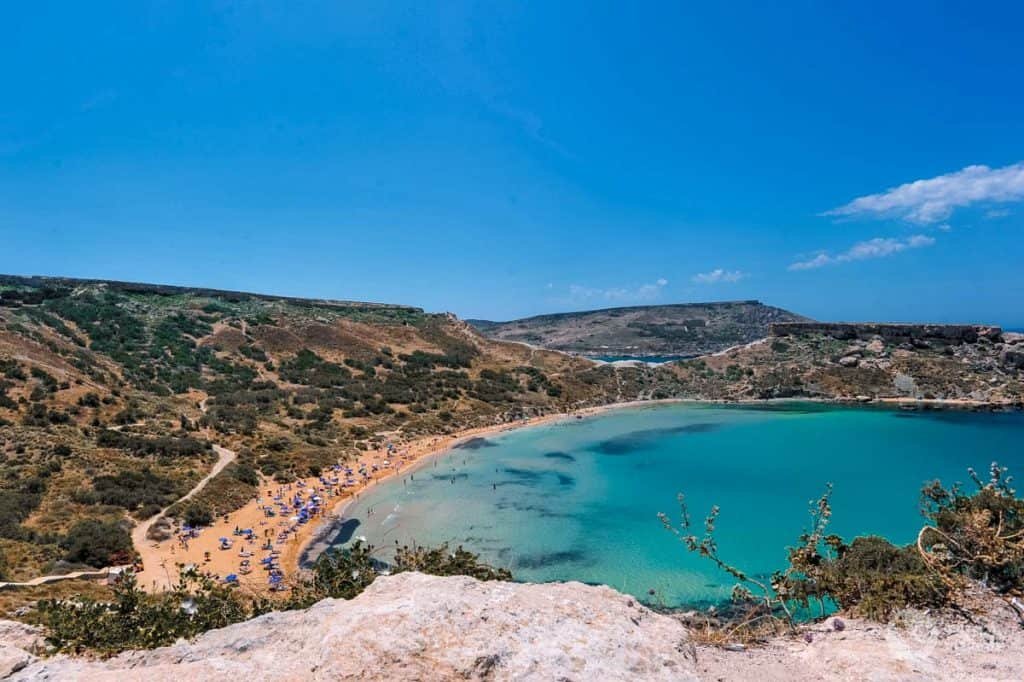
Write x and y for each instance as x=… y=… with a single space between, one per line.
x=500 y=160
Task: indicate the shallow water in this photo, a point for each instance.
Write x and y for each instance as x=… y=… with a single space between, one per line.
x=578 y=500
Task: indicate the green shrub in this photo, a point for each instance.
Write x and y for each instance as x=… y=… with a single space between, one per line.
x=443 y=561
x=136 y=620
x=344 y=573
x=871 y=578
x=980 y=535
x=98 y=544
x=133 y=490
x=197 y=515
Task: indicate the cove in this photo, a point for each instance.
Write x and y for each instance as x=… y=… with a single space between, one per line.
x=578 y=499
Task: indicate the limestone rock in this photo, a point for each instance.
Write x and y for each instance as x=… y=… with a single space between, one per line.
x=849 y=361
x=417 y=627
x=905 y=384
x=21 y=635
x=876 y=346
x=13 y=659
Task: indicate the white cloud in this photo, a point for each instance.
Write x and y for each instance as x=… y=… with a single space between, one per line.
x=878 y=247
x=581 y=295
x=718 y=275
x=934 y=199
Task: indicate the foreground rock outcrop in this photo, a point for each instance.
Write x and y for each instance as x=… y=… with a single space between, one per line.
x=418 y=627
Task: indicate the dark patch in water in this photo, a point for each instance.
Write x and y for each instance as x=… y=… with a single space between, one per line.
x=335 y=536
x=345 y=531
x=539 y=510
x=525 y=484
x=474 y=444
x=638 y=440
x=523 y=474
x=962 y=417
x=560 y=455
x=573 y=556
x=528 y=478
x=448 y=477
x=477 y=541
x=548 y=514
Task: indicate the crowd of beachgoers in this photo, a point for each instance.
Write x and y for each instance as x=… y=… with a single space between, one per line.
x=253 y=545
x=260 y=544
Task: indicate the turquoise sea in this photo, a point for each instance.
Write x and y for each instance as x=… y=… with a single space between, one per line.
x=578 y=500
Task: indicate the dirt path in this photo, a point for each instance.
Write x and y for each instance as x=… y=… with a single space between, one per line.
x=146 y=549
x=89 y=574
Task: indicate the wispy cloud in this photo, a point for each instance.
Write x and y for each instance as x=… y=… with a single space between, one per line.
x=582 y=295
x=933 y=200
x=872 y=248
x=718 y=275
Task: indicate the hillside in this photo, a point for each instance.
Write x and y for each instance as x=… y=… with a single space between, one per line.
x=113 y=396
x=968 y=364
x=688 y=329
x=116 y=399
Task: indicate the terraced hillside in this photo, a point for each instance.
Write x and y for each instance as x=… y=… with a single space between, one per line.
x=688 y=329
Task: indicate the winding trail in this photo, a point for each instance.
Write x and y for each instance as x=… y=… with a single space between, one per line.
x=145 y=550
x=224 y=457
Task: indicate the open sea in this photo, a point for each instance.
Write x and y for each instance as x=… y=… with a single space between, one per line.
x=578 y=500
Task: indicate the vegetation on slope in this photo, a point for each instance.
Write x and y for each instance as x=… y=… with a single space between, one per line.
x=687 y=329
x=111 y=395
x=820 y=365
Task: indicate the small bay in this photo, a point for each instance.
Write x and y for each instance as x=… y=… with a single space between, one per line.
x=578 y=499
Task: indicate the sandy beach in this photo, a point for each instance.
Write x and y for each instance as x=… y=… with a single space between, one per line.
x=285 y=540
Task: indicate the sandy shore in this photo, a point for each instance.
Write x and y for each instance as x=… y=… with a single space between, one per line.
x=290 y=541
x=162 y=560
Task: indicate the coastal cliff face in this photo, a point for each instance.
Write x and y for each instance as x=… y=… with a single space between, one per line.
x=417 y=627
